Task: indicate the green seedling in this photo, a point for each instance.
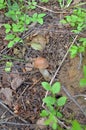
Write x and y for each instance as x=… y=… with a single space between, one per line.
x=32 y=5
x=77 y=20
x=80 y=48
x=8 y=66
x=20 y=20
x=53 y=105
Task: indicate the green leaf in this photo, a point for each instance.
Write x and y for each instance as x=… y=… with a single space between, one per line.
x=2 y=4
x=47 y=122
x=68 y=18
x=35 y=15
x=73 y=51
x=40 y=20
x=7 y=30
x=37 y=46
x=81 y=49
x=7 y=27
x=59 y=115
x=46 y=86
x=9 y=36
x=49 y=100
x=54 y=126
x=83 y=82
x=17 y=39
x=44 y=113
x=41 y=15
x=8 y=66
x=63 y=21
x=12 y=15
x=76 y=126
x=10 y=44
x=15 y=27
x=52 y=110
x=84 y=70
x=61 y=101
x=50 y=120
x=55 y=88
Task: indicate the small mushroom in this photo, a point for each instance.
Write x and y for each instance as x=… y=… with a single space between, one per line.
x=42 y=64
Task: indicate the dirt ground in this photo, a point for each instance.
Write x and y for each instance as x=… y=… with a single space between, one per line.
x=21 y=92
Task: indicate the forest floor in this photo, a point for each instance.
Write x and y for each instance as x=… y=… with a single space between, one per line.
x=21 y=90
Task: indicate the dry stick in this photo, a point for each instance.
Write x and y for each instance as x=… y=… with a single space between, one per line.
x=19 y=124
x=80 y=95
x=49 y=10
x=1 y=102
x=69 y=95
x=60 y=66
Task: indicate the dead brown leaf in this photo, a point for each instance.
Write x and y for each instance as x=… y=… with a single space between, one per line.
x=41 y=123
x=39 y=39
x=17 y=80
x=6 y=79
x=6 y=95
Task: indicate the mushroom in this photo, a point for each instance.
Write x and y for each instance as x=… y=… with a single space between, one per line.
x=42 y=64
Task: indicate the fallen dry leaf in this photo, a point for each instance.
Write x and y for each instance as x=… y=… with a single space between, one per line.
x=6 y=95
x=17 y=80
x=6 y=79
x=39 y=40
x=41 y=124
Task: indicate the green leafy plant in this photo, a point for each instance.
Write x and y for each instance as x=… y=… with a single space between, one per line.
x=77 y=20
x=80 y=48
x=53 y=105
x=20 y=20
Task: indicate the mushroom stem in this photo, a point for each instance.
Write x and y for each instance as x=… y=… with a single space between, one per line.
x=46 y=75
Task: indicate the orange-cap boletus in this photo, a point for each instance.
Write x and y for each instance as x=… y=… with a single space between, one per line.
x=42 y=64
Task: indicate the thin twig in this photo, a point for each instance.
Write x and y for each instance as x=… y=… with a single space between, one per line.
x=60 y=66
x=77 y=104
x=79 y=95
x=1 y=103
x=17 y=124
x=80 y=61
x=44 y=8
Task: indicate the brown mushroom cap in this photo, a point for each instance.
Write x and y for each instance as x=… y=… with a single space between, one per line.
x=41 y=63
